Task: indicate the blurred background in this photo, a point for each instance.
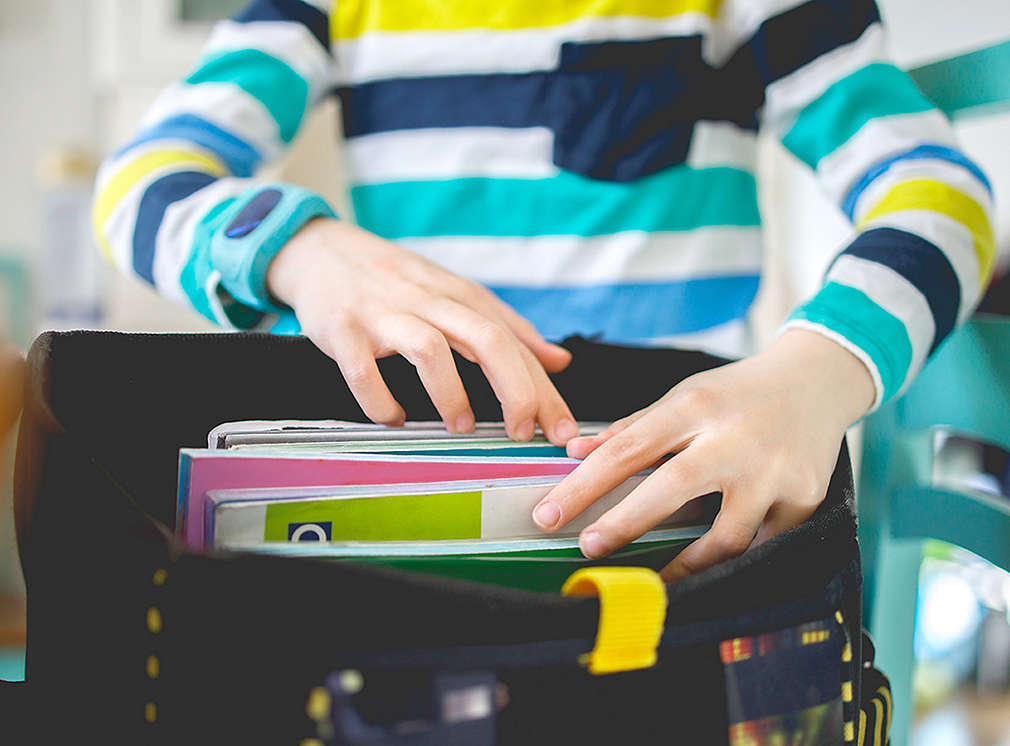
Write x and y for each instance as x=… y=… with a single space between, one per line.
x=75 y=77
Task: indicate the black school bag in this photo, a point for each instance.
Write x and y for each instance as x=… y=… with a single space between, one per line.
x=134 y=639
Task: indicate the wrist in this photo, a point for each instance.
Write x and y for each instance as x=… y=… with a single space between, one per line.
x=297 y=259
x=839 y=379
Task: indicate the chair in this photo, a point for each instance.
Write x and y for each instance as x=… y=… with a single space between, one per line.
x=965 y=387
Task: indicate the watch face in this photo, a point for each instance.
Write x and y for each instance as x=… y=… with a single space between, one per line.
x=254 y=213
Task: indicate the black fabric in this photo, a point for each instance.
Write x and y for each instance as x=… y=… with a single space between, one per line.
x=244 y=638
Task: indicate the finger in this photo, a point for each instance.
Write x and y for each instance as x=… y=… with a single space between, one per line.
x=553 y=414
x=782 y=517
x=582 y=447
x=627 y=453
x=684 y=477
x=732 y=532
x=499 y=355
x=428 y=350
x=554 y=358
x=354 y=355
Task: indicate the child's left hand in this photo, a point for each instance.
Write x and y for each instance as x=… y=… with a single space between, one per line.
x=764 y=431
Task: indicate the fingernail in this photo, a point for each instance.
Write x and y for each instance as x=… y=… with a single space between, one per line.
x=525 y=430
x=464 y=423
x=547 y=515
x=591 y=544
x=565 y=430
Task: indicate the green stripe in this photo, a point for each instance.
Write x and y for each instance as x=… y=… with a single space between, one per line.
x=882 y=336
x=270 y=81
x=970 y=84
x=827 y=123
x=677 y=199
x=453 y=515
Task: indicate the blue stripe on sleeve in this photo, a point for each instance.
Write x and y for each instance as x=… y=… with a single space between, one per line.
x=633 y=311
x=240 y=157
x=158 y=196
x=931 y=151
x=922 y=264
x=289 y=10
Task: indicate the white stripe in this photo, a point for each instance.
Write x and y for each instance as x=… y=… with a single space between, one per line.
x=451 y=153
x=174 y=242
x=951 y=237
x=227 y=106
x=550 y=261
x=390 y=54
x=859 y=352
x=288 y=41
x=894 y=294
x=722 y=144
x=915 y=169
x=788 y=96
x=733 y=340
x=118 y=227
x=876 y=140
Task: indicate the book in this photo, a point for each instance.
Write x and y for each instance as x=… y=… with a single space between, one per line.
x=203 y=470
x=318 y=434
x=409 y=514
x=414 y=497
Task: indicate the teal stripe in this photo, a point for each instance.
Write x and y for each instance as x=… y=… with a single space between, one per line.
x=273 y=83
x=676 y=199
x=877 y=90
x=882 y=336
x=977 y=83
x=197 y=270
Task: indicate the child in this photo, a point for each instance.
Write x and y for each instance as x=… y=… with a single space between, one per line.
x=533 y=169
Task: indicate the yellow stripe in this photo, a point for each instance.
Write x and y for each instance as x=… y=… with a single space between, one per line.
x=879 y=707
x=847 y=653
x=886 y=694
x=862 y=728
x=846 y=691
x=356 y=17
x=927 y=194
x=128 y=176
x=849 y=731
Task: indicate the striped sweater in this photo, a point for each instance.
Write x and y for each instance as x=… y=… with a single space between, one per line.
x=590 y=161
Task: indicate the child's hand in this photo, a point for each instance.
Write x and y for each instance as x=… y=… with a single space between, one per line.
x=765 y=432
x=359 y=297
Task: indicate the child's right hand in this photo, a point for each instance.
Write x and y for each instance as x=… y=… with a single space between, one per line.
x=359 y=297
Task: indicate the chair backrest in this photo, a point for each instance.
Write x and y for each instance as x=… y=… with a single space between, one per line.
x=965 y=387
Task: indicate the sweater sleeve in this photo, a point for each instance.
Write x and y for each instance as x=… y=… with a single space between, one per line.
x=924 y=246
x=179 y=206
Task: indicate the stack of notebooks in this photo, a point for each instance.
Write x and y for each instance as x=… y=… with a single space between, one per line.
x=414 y=497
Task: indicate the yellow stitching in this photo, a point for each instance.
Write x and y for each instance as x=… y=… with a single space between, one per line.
x=154 y=622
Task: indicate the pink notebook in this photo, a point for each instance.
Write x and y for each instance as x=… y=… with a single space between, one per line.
x=201 y=470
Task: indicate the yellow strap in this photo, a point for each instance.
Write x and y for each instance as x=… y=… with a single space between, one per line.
x=632 y=613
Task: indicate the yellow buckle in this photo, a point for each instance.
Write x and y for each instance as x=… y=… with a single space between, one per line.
x=632 y=613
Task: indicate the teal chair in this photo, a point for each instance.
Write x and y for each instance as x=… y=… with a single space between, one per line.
x=965 y=388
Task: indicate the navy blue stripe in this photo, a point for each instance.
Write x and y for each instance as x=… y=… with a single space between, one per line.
x=922 y=264
x=158 y=196
x=289 y=10
x=938 y=152
x=788 y=41
x=634 y=311
x=619 y=110
x=240 y=157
